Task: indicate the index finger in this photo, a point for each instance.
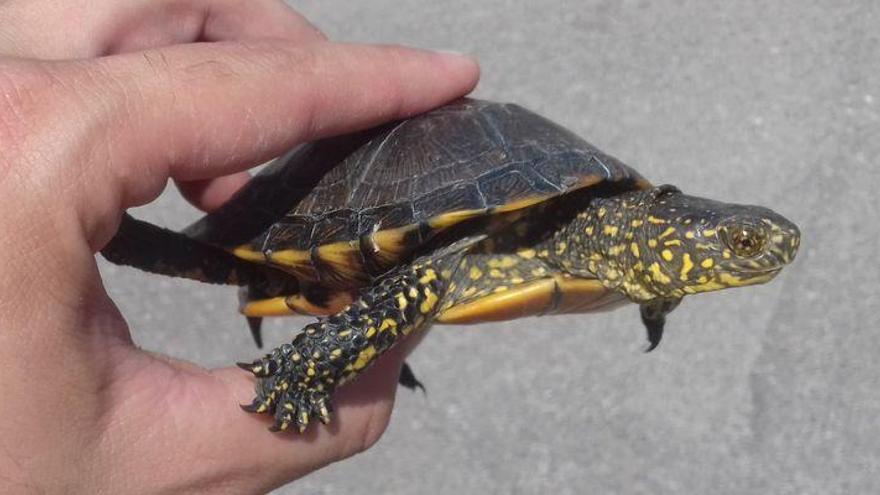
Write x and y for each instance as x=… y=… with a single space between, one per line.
x=199 y=111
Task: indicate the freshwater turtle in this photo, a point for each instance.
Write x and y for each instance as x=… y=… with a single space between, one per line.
x=476 y=211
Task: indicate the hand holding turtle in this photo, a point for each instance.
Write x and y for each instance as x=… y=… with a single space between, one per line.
x=100 y=107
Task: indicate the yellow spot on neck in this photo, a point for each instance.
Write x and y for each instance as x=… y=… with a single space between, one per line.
x=526 y=253
x=667 y=255
x=658 y=274
x=689 y=234
x=652 y=243
x=475 y=273
x=668 y=232
x=707 y=263
x=686 y=266
x=672 y=242
x=610 y=230
x=655 y=220
x=635 y=249
x=588 y=230
x=637 y=223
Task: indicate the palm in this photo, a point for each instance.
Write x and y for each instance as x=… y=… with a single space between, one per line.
x=85 y=410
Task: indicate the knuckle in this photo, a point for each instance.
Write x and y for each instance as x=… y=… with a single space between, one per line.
x=23 y=91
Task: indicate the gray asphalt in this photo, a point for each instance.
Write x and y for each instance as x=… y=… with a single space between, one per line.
x=773 y=389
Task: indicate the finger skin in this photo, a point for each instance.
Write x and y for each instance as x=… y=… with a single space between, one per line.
x=208 y=195
x=42 y=28
x=229 y=447
x=203 y=111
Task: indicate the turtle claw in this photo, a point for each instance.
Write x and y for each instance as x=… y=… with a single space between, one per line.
x=256 y=407
x=296 y=410
x=260 y=368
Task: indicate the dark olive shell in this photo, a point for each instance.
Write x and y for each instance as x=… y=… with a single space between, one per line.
x=471 y=155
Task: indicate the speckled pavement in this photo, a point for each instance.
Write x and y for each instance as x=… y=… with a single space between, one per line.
x=767 y=390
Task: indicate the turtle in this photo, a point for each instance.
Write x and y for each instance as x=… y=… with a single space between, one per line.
x=476 y=211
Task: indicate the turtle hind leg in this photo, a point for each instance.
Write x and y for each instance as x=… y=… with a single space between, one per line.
x=256 y=304
x=408 y=379
x=255 y=324
x=296 y=380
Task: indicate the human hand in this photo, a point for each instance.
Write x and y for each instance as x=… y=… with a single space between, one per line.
x=100 y=104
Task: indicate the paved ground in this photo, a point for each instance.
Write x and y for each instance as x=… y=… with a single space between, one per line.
x=773 y=389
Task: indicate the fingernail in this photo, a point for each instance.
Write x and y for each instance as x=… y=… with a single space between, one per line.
x=453 y=52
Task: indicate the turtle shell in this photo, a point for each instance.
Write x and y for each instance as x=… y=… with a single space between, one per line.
x=342 y=209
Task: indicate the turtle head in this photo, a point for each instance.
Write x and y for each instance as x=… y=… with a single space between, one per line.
x=662 y=244
x=690 y=244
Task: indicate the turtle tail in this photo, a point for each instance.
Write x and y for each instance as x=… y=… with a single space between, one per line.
x=154 y=249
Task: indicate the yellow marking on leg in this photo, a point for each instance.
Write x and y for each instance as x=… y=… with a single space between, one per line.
x=401 y=302
x=667 y=255
x=429 y=275
x=364 y=358
x=707 y=263
x=610 y=230
x=386 y=324
x=296 y=304
x=672 y=242
x=652 y=243
x=429 y=302
x=475 y=273
x=655 y=220
x=636 y=223
x=276 y=306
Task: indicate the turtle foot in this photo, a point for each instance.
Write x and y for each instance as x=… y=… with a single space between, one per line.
x=288 y=392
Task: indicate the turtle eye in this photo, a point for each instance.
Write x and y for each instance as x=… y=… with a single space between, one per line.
x=746 y=240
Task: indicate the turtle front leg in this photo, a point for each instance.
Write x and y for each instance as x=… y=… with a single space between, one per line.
x=654 y=317
x=296 y=380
